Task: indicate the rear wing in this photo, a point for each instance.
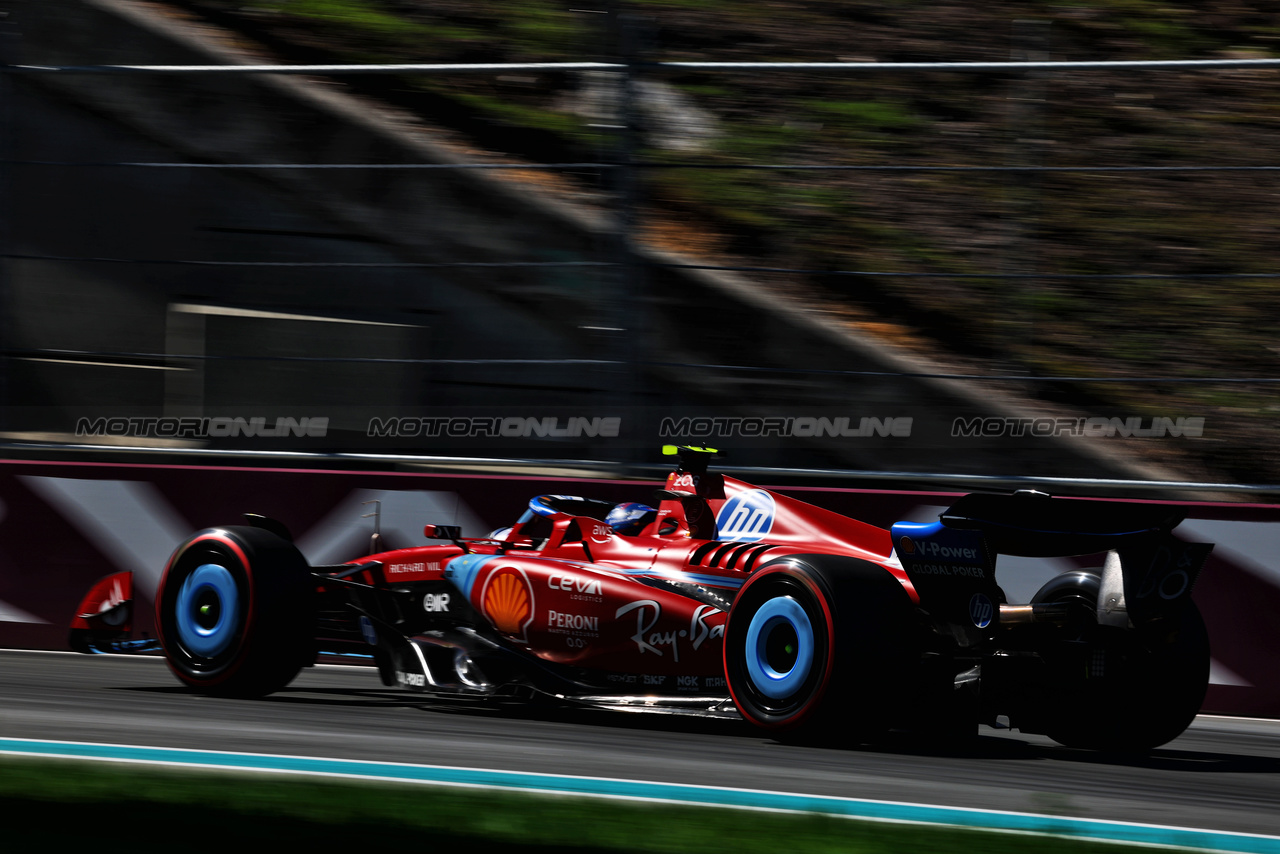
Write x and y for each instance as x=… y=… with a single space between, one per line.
x=1032 y=524
x=1147 y=574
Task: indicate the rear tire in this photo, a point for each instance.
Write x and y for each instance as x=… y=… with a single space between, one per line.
x=235 y=612
x=1120 y=690
x=817 y=646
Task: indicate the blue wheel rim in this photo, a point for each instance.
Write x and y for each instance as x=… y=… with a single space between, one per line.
x=779 y=615
x=207 y=610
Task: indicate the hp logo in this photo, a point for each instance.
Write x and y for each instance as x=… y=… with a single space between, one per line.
x=747 y=517
x=981 y=610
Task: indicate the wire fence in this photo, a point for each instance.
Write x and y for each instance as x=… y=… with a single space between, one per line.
x=506 y=67
x=809 y=271
x=1101 y=170
x=701 y=366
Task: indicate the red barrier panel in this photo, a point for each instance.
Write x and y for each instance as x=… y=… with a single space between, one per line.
x=64 y=525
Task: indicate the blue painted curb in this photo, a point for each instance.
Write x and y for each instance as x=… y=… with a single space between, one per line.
x=1114 y=831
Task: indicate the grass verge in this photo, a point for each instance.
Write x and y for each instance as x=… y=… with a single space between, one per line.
x=109 y=808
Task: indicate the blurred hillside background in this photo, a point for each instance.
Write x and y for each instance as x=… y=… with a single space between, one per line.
x=1052 y=274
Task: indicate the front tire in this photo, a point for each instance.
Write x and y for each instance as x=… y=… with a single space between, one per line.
x=235 y=612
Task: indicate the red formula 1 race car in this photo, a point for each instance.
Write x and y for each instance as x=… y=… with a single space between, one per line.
x=723 y=599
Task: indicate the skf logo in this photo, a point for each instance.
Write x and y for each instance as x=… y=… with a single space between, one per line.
x=435 y=602
x=507 y=600
x=906 y=546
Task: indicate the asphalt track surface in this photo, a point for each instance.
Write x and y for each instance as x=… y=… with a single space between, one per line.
x=1222 y=774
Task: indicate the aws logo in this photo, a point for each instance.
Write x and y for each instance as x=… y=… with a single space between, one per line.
x=747 y=517
x=507 y=600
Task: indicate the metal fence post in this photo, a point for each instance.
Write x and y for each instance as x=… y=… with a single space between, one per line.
x=9 y=35
x=629 y=304
x=1030 y=44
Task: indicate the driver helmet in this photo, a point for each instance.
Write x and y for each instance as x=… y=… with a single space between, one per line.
x=629 y=518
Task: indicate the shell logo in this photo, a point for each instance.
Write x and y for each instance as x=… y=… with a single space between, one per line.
x=507 y=601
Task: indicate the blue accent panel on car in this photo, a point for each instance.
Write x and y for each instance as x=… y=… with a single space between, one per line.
x=916 y=529
x=930 y=548
x=726 y=581
x=462 y=571
x=542 y=504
